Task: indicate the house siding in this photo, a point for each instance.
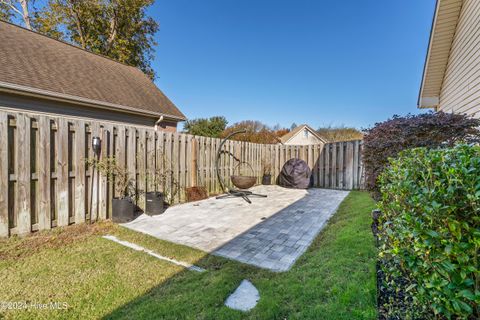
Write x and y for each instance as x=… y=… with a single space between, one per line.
x=300 y=139
x=460 y=91
x=37 y=105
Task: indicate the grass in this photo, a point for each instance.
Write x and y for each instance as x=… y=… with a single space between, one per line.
x=334 y=279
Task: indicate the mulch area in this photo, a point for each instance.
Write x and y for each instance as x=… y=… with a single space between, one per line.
x=390 y=303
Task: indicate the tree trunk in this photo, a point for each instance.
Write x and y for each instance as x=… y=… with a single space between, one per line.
x=113 y=32
x=78 y=24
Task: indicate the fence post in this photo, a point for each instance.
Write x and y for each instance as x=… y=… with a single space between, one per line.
x=79 y=162
x=193 y=165
x=22 y=171
x=4 y=225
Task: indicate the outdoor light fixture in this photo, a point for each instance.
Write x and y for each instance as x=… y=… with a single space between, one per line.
x=96 y=145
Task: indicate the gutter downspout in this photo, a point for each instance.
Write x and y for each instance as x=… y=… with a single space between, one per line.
x=158 y=122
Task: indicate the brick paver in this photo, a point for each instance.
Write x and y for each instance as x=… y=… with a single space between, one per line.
x=276 y=243
x=270 y=233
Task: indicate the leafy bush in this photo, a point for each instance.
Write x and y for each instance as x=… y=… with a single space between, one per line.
x=256 y=132
x=387 y=139
x=429 y=230
x=340 y=133
x=211 y=127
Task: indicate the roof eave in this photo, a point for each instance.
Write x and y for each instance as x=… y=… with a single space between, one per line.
x=46 y=94
x=426 y=101
x=430 y=40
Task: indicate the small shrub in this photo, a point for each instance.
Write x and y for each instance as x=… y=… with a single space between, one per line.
x=432 y=130
x=429 y=231
x=211 y=127
x=340 y=133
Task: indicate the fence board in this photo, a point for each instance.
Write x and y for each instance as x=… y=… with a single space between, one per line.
x=340 y=165
x=22 y=171
x=79 y=164
x=325 y=165
x=355 y=164
x=321 y=166
x=47 y=173
x=62 y=172
x=4 y=224
x=141 y=168
x=182 y=166
x=102 y=179
x=349 y=166
x=160 y=160
x=131 y=150
x=175 y=167
x=150 y=170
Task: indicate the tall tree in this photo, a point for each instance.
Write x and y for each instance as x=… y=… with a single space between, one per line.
x=119 y=29
x=19 y=8
x=212 y=127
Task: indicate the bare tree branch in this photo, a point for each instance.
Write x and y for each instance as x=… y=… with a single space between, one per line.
x=112 y=31
x=11 y=6
x=78 y=24
x=26 y=13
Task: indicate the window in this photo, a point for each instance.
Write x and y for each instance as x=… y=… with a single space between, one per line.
x=305 y=133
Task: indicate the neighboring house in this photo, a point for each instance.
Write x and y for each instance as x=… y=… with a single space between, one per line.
x=302 y=135
x=451 y=77
x=41 y=74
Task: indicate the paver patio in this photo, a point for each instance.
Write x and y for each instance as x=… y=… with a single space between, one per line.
x=270 y=233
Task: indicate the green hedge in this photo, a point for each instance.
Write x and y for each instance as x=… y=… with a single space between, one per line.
x=430 y=230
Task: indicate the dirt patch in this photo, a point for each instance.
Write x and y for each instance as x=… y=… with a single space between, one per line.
x=16 y=247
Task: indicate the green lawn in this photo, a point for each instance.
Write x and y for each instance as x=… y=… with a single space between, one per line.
x=334 y=279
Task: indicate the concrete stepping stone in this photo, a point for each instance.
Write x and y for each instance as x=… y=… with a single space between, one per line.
x=244 y=298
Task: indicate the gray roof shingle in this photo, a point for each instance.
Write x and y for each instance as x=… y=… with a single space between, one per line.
x=29 y=59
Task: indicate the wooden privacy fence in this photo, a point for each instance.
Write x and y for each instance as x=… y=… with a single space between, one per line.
x=45 y=181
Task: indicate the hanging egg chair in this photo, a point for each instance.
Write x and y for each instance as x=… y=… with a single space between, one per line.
x=242 y=182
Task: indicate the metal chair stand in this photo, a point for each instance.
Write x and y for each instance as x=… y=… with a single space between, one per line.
x=240 y=193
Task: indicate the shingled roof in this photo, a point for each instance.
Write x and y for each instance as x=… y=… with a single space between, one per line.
x=34 y=63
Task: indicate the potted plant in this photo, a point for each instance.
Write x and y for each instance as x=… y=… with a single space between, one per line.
x=267 y=173
x=123 y=207
x=155 y=200
x=196 y=193
x=154 y=203
x=163 y=179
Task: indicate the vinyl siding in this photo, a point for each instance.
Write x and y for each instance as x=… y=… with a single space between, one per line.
x=301 y=139
x=36 y=105
x=460 y=91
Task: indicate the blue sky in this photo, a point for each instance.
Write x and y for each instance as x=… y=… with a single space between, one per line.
x=319 y=62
